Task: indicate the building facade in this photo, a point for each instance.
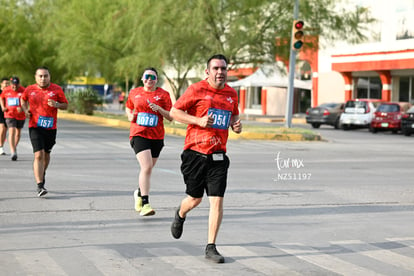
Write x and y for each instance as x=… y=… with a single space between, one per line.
x=380 y=68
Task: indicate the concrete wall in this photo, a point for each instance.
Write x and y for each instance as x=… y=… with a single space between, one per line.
x=331 y=87
x=276 y=101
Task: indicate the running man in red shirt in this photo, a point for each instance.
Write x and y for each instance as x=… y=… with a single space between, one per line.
x=40 y=102
x=13 y=113
x=3 y=127
x=146 y=109
x=209 y=107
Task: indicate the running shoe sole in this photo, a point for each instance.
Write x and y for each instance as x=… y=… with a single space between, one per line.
x=42 y=192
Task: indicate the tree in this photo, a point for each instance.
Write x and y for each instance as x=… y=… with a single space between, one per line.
x=23 y=46
x=187 y=32
x=119 y=38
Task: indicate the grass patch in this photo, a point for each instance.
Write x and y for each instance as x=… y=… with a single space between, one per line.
x=247 y=127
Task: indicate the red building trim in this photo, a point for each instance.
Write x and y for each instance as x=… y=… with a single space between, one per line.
x=376 y=53
x=380 y=62
x=385 y=77
x=242 y=104
x=311 y=55
x=241 y=72
x=264 y=102
x=375 y=65
x=348 y=85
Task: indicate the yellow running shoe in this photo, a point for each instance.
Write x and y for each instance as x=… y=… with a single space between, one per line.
x=147 y=210
x=138 y=201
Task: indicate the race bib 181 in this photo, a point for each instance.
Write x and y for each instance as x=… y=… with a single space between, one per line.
x=45 y=122
x=147 y=119
x=221 y=118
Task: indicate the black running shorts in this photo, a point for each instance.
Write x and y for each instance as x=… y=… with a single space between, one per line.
x=2 y=120
x=11 y=122
x=139 y=144
x=204 y=172
x=42 y=139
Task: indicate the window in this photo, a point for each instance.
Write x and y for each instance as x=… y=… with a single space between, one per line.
x=388 y=108
x=369 y=88
x=406 y=90
x=254 y=97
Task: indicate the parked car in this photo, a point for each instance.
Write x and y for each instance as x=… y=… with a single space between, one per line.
x=358 y=113
x=387 y=116
x=327 y=113
x=407 y=122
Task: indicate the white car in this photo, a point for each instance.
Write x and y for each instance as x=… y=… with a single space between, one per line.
x=358 y=113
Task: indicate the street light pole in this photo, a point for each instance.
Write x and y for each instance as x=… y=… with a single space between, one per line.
x=292 y=62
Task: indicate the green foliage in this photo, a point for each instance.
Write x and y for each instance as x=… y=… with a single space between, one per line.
x=24 y=46
x=117 y=39
x=83 y=101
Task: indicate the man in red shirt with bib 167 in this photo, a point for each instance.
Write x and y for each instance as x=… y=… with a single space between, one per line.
x=13 y=113
x=210 y=108
x=41 y=102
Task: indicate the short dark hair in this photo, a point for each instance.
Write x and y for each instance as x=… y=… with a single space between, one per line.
x=151 y=69
x=4 y=78
x=42 y=68
x=217 y=56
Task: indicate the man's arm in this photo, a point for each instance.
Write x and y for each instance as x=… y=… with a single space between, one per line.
x=2 y=104
x=56 y=104
x=236 y=124
x=185 y=118
x=25 y=108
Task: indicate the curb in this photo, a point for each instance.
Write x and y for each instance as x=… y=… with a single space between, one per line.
x=181 y=132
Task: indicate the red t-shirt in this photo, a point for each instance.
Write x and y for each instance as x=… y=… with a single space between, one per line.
x=43 y=115
x=12 y=100
x=198 y=100
x=147 y=123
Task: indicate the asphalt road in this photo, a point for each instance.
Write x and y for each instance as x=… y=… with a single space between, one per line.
x=343 y=206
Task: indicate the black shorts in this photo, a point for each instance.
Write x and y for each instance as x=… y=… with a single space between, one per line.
x=11 y=122
x=2 y=120
x=139 y=144
x=204 y=172
x=42 y=139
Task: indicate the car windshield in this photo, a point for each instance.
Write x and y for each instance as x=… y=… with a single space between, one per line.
x=356 y=104
x=388 y=108
x=328 y=105
x=356 y=107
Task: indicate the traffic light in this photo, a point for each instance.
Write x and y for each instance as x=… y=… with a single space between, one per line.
x=297 y=35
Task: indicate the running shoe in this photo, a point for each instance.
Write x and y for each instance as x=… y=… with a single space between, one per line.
x=41 y=191
x=213 y=255
x=138 y=201
x=177 y=225
x=147 y=210
x=14 y=157
x=2 y=151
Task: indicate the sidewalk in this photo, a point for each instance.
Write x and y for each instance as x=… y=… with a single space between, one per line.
x=114 y=108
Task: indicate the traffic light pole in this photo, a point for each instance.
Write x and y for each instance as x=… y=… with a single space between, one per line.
x=292 y=62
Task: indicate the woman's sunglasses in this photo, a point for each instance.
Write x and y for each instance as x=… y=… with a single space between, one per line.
x=150 y=77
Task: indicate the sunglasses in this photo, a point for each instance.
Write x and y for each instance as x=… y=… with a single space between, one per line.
x=150 y=77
